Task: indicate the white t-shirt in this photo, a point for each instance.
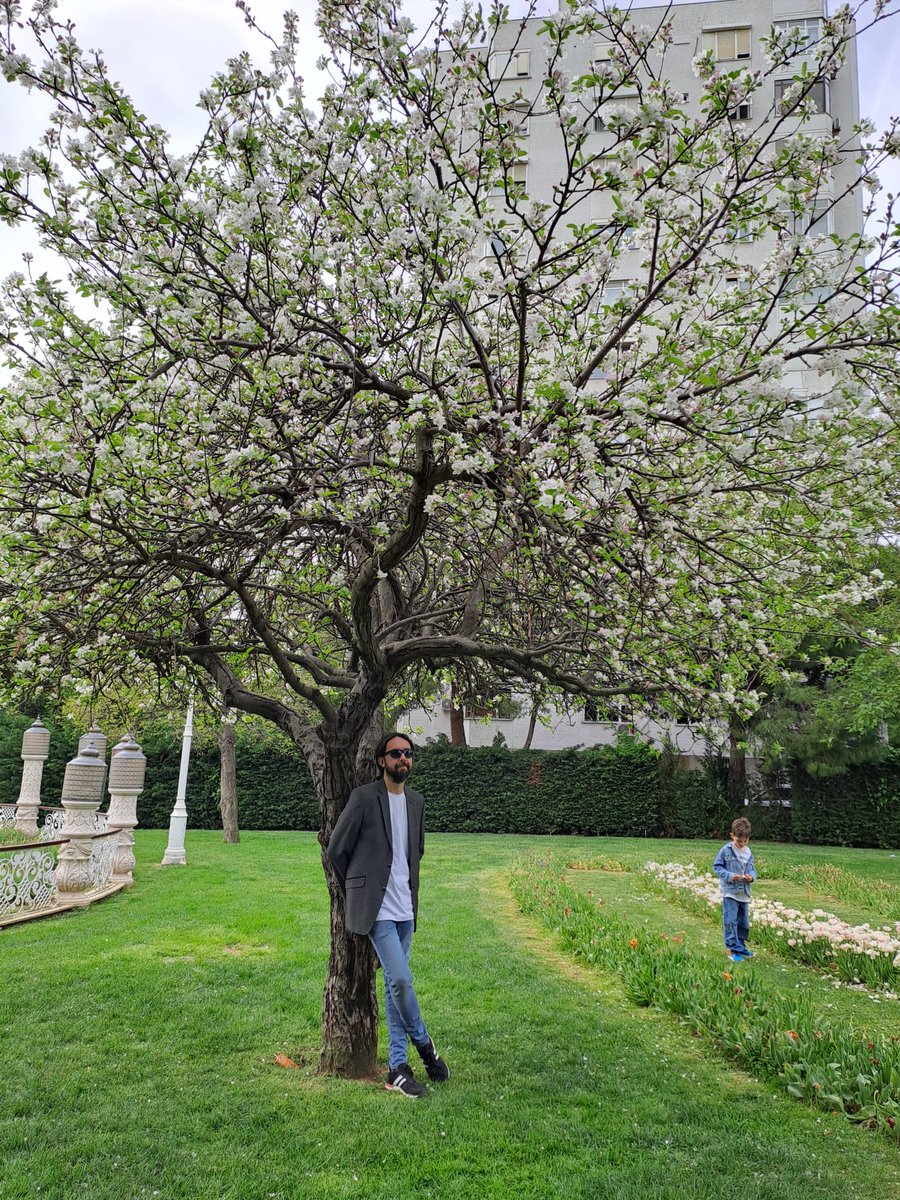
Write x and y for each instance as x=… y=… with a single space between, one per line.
x=397 y=903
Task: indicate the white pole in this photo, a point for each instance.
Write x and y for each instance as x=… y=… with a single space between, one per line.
x=175 y=855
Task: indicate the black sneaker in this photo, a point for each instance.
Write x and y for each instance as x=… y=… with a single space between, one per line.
x=435 y=1067
x=402 y=1080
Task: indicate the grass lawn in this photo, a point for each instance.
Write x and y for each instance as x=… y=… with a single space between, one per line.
x=140 y=1034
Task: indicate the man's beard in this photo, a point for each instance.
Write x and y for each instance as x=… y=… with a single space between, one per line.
x=397 y=772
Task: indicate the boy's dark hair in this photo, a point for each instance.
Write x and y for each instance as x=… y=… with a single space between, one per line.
x=389 y=737
x=741 y=827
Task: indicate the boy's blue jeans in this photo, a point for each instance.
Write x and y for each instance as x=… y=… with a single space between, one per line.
x=735 y=924
x=392 y=941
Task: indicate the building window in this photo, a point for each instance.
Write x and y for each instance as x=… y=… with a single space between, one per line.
x=514 y=180
x=501 y=708
x=685 y=718
x=606 y=714
x=741 y=112
x=792 y=296
x=815 y=93
x=519 y=116
x=727 y=44
x=817 y=221
x=622 y=350
x=613 y=290
x=602 y=51
x=627 y=100
x=740 y=232
x=493 y=247
x=511 y=64
x=805 y=31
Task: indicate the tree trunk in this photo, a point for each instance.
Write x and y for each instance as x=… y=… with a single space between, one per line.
x=737 y=763
x=350 y=1003
x=532 y=722
x=457 y=727
x=228 y=782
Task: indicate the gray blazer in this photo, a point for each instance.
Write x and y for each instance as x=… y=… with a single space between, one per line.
x=360 y=852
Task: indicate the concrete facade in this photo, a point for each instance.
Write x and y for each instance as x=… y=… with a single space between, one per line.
x=733 y=30
x=556 y=731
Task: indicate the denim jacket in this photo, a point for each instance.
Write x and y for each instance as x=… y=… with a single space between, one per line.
x=728 y=864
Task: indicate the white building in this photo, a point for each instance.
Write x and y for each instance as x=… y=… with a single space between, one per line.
x=732 y=31
x=555 y=731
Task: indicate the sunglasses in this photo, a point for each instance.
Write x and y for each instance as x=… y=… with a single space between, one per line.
x=397 y=754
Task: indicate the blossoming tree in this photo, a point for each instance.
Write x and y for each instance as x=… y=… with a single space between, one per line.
x=283 y=422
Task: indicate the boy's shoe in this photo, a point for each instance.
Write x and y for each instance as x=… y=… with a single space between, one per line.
x=402 y=1080
x=435 y=1067
x=748 y=953
x=735 y=957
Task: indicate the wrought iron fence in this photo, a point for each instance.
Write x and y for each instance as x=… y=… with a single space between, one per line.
x=54 y=819
x=53 y=824
x=27 y=878
x=28 y=884
x=103 y=857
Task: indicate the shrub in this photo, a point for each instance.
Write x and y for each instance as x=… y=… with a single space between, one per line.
x=859 y=808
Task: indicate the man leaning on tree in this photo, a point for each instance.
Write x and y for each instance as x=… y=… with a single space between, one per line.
x=374 y=852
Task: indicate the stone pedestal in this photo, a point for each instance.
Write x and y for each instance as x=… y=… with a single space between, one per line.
x=35 y=748
x=82 y=793
x=126 y=781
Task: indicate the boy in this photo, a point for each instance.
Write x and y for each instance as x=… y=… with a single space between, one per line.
x=735 y=869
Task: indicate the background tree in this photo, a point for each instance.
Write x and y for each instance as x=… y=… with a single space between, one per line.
x=284 y=422
x=837 y=703
x=228 y=798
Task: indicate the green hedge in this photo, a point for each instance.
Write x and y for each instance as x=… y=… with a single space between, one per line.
x=492 y=789
x=859 y=808
x=469 y=790
x=273 y=785
x=628 y=790
x=698 y=807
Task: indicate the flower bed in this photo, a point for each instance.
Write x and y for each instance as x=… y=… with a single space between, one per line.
x=857 y=954
x=777 y=1035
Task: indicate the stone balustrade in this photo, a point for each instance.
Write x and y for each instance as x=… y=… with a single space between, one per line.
x=79 y=854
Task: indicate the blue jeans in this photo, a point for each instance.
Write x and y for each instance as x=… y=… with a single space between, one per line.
x=735 y=924
x=392 y=941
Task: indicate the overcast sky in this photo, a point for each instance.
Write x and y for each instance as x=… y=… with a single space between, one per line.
x=164 y=51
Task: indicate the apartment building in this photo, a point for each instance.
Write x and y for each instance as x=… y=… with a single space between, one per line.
x=733 y=32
